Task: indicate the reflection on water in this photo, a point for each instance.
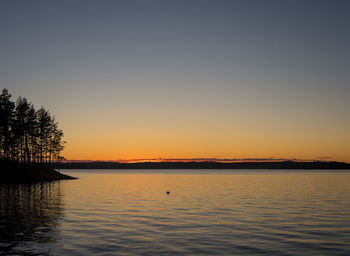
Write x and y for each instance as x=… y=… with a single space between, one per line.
x=29 y=217
x=206 y=213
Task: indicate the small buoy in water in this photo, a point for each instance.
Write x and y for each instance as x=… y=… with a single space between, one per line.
x=168 y=192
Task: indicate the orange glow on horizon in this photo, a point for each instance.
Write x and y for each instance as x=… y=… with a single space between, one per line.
x=154 y=135
x=221 y=160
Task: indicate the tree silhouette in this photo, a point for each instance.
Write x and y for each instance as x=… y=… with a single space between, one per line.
x=6 y=122
x=27 y=135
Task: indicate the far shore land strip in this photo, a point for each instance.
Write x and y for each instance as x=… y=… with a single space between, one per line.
x=291 y=165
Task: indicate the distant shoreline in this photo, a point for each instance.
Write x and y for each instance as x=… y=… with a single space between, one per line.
x=290 y=165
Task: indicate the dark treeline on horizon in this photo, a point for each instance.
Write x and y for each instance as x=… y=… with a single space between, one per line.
x=206 y=165
x=28 y=135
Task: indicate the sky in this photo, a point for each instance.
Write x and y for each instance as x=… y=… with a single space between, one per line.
x=185 y=79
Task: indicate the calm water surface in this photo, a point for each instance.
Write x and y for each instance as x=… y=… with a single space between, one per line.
x=206 y=213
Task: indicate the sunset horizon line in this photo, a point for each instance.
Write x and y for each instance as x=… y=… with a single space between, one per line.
x=205 y=159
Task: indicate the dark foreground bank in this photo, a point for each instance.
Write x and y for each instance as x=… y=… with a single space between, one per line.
x=14 y=172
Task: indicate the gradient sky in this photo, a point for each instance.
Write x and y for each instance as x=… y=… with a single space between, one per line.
x=185 y=79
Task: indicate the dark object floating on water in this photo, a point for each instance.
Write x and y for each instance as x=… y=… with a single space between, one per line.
x=168 y=192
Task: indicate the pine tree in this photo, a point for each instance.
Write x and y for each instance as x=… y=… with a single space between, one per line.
x=6 y=121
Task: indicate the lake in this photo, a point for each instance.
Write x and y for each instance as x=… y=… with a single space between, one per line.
x=207 y=212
